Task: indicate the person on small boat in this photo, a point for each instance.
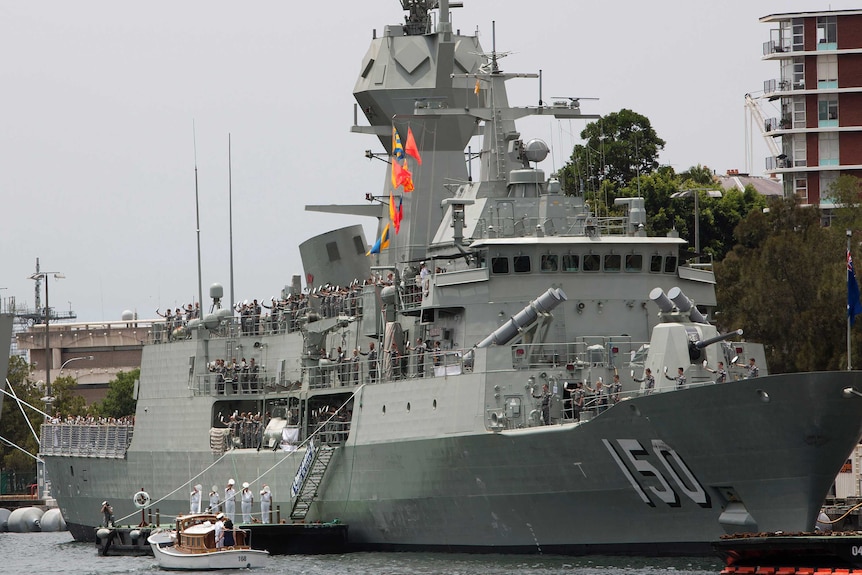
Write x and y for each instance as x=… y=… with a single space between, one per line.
x=229 y=539
x=219 y=531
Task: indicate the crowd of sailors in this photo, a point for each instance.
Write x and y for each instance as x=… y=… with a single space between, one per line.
x=285 y=315
x=408 y=361
x=58 y=419
x=233 y=377
x=223 y=502
x=245 y=430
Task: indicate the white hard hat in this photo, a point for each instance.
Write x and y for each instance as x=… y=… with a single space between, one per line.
x=245 y=485
x=230 y=481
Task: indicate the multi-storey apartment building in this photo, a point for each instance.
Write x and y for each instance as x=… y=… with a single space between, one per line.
x=820 y=92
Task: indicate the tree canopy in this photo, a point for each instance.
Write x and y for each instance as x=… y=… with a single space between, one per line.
x=619 y=146
x=13 y=426
x=785 y=284
x=119 y=401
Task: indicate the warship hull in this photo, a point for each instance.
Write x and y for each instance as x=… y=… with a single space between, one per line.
x=651 y=475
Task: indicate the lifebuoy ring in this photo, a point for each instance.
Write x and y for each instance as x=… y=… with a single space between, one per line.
x=141 y=499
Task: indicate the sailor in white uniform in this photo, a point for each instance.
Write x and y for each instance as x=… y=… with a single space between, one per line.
x=215 y=500
x=195 y=499
x=229 y=499
x=247 y=499
x=265 y=504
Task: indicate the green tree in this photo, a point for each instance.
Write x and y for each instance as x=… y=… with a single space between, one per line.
x=66 y=400
x=120 y=400
x=13 y=426
x=719 y=216
x=784 y=284
x=618 y=147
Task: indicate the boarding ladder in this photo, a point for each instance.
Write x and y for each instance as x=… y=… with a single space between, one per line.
x=308 y=493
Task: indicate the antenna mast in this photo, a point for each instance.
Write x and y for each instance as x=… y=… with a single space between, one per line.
x=197 y=218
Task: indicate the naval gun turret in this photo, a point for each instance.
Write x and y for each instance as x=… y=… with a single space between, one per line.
x=684 y=339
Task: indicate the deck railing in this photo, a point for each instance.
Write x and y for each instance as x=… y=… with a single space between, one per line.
x=86 y=439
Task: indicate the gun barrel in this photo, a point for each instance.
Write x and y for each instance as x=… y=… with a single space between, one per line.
x=721 y=337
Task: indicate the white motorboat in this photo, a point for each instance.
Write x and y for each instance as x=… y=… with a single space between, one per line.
x=191 y=546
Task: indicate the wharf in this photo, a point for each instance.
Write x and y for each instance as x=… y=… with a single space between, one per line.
x=277 y=538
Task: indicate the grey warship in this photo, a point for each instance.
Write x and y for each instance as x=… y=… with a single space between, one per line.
x=480 y=442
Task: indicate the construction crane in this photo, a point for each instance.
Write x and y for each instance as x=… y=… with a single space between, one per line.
x=756 y=115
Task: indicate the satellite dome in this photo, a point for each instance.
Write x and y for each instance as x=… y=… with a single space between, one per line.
x=216 y=291
x=128 y=315
x=536 y=150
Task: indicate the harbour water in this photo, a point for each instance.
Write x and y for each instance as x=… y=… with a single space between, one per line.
x=58 y=553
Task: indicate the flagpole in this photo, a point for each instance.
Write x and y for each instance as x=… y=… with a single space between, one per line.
x=849 y=311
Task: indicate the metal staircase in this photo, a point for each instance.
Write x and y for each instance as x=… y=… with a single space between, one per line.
x=308 y=493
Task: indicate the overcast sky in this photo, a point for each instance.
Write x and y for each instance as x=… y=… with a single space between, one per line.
x=98 y=100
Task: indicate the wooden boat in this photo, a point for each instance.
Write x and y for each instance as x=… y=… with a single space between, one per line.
x=192 y=546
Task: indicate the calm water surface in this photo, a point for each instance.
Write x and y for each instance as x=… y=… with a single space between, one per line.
x=58 y=553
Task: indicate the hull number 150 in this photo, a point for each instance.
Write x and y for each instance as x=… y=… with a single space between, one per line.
x=665 y=482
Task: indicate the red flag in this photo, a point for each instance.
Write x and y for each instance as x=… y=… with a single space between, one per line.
x=411 y=148
x=406 y=180
x=401 y=176
x=397 y=214
x=393 y=216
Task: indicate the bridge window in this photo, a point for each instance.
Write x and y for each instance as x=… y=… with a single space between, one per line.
x=522 y=264
x=613 y=262
x=670 y=265
x=634 y=262
x=500 y=265
x=592 y=263
x=550 y=263
x=571 y=263
x=655 y=264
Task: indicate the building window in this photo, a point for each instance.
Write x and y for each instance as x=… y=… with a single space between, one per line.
x=798 y=34
x=655 y=264
x=800 y=188
x=797 y=151
x=592 y=263
x=521 y=264
x=500 y=265
x=827 y=71
x=332 y=251
x=826 y=181
x=634 y=262
x=550 y=263
x=571 y=263
x=827 y=111
x=827 y=33
x=613 y=262
x=828 y=149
